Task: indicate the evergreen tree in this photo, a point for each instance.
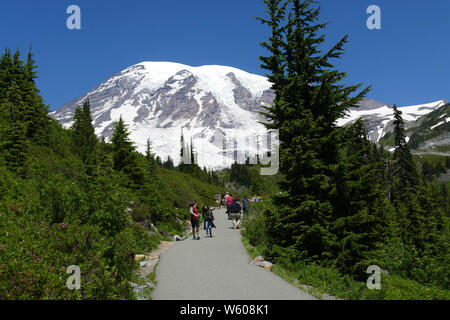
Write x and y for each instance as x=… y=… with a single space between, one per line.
x=125 y=158
x=184 y=155
x=14 y=146
x=309 y=100
x=151 y=160
x=121 y=145
x=404 y=170
x=35 y=114
x=192 y=153
x=168 y=164
x=158 y=161
x=360 y=202
x=84 y=140
x=17 y=86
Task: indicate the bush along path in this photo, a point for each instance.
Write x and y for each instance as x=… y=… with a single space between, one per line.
x=218 y=268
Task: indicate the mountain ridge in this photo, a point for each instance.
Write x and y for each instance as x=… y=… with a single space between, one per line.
x=216 y=105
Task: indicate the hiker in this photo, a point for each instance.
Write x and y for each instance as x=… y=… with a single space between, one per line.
x=229 y=202
x=195 y=217
x=218 y=199
x=224 y=199
x=235 y=209
x=245 y=203
x=209 y=218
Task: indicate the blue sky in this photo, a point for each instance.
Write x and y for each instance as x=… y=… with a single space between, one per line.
x=407 y=61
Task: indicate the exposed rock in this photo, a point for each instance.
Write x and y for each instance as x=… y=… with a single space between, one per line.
x=138 y=288
x=265 y=264
x=260 y=262
x=139 y=257
x=148 y=263
x=178 y=238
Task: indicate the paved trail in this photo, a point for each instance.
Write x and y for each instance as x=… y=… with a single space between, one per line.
x=217 y=269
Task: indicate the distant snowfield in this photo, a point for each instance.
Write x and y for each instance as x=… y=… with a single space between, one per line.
x=409 y=113
x=440 y=123
x=213 y=78
x=385 y=115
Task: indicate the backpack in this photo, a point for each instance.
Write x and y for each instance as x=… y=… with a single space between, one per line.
x=208 y=215
x=235 y=207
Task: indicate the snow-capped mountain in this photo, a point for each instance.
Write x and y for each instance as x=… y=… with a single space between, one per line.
x=428 y=134
x=378 y=118
x=215 y=106
x=156 y=99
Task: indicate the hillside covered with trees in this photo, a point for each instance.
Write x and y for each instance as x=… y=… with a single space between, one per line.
x=67 y=198
x=345 y=203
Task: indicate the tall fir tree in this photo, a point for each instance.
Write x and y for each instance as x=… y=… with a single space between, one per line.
x=168 y=164
x=360 y=202
x=84 y=140
x=36 y=112
x=404 y=171
x=151 y=161
x=309 y=100
x=183 y=166
x=125 y=158
x=14 y=146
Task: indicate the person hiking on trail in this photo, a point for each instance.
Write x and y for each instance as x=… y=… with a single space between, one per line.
x=195 y=217
x=245 y=203
x=218 y=199
x=229 y=202
x=209 y=218
x=224 y=199
x=235 y=209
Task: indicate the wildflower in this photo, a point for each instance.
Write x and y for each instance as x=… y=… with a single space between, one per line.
x=2 y=248
x=63 y=225
x=52 y=268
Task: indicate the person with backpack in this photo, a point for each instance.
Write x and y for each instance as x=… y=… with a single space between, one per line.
x=195 y=217
x=229 y=202
x=218 y=199
x=245 y=203
x=224 y=199
x=235 y=210
x=209 y=218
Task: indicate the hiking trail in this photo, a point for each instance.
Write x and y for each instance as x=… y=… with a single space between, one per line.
x=218 y=268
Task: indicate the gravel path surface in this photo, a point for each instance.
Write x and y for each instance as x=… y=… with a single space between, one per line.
x=218 y=268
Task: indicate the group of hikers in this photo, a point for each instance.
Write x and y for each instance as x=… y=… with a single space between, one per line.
x=235 y=207
x=208 y=217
